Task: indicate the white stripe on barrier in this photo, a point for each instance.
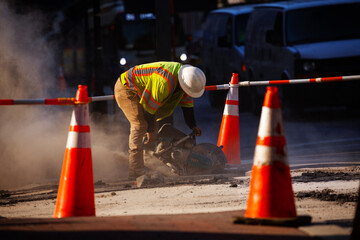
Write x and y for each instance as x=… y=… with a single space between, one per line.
x=78 y=140
x=222 y=87
x=102 y=98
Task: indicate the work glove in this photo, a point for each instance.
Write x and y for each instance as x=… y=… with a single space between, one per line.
x=150 y=140
x=197 y=131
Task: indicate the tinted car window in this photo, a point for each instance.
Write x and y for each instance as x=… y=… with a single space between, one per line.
x=240 y=27
x=262 y=20
x=220 y=29
x=214 y=26
x=325 y=23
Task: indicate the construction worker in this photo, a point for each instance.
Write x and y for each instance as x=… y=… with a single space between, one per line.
x=149 y=93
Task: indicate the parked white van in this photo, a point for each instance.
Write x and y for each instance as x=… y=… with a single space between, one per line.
x=305 y=39
x=222 y=49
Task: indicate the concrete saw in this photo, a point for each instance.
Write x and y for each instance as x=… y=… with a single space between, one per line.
x=180 y=153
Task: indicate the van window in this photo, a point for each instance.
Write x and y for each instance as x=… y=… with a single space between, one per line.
x=221 y=30
x=214 y=27
x=240 y=28
x=228 y=33
x=278 y=29
x=326 y=23
x=210 y=20
x=262 y=20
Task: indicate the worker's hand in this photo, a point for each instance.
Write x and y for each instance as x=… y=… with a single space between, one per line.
x=150 y=140
x=197 y=131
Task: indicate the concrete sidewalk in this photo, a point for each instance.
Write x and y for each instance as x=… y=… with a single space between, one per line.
x=183 y=226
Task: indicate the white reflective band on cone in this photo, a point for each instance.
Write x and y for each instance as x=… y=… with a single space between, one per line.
x=78 y=140
x=233 y=95
x=270 y=117
x=80 y=116
x=265 y=155
x=232 y=110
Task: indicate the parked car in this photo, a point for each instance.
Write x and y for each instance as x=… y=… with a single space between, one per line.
x=305 y=39
x=222 y=50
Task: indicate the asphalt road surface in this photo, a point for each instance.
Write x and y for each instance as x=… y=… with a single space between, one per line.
x=317 y=137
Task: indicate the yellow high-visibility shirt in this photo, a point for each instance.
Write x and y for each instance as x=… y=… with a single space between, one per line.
x=157 y=86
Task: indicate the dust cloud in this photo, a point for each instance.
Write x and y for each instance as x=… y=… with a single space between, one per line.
x=33 y=137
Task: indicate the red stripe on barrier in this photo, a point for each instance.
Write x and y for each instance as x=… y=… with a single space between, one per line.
x=79 y=128
x=312 y=80
x=7 y=102
x=232 y=102
x=51 y=101
x=59 y=101
x=210 y=88
x=331 y=79
x=279 y=82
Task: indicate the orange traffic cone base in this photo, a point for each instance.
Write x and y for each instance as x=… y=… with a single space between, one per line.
x=76 y=197
x=229 y=137
x=271 y=198
x=76 y=187
x=266 y=180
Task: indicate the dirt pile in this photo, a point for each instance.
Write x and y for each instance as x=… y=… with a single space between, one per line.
x=329 y=195
x=328 y=174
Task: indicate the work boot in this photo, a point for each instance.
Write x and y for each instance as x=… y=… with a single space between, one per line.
x=133 y=174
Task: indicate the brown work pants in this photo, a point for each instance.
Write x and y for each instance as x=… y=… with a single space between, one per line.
x=128 y=101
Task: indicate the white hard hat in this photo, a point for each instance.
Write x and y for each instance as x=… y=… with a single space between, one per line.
x=192 y=80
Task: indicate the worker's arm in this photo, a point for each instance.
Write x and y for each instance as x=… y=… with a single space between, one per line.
x=189 y=118
x=150 y=119
x=151 y=136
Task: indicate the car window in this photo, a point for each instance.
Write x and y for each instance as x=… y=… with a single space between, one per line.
x=278 y=38
x=325 y=23
x=240 y=28
x=229 y=31
x=214 y=27
x=221 y=29
x=261 y=21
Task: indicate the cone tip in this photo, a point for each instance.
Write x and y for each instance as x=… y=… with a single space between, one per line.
x=272 y=88
x=82 y=94
x=271 y=97
x=234 y=79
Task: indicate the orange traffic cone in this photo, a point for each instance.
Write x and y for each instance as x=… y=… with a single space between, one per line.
x=229 y=129
x=76 y=189
x=62 y=82
x=355 y=234
x=271 y=194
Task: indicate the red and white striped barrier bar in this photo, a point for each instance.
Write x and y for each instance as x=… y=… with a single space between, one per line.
x=217 y=87
x=277 y=82
x=298 y=81
x=71 y=101
x=55 y=101
x=102 y=98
